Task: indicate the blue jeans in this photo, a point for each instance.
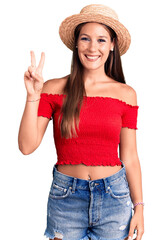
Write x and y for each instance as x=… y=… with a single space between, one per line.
x=80 y=209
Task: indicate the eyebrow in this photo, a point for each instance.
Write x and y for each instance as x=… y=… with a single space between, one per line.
x=88 y=35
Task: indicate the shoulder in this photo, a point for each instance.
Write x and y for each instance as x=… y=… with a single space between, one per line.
x=129 y=94
x=55 y=85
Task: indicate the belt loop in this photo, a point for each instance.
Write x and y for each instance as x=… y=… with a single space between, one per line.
x=122 y=163
x=106 y=185
x=74 y=185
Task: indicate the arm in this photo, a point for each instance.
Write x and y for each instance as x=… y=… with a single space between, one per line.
x=31 y=128
x=129 y=156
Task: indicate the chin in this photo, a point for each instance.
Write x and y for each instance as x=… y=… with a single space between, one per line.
x=93 y=67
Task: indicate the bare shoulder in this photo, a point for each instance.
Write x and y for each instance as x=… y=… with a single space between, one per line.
x=55 y=85
x=129 y=94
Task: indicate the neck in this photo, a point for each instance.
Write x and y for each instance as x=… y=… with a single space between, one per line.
x=94 y=76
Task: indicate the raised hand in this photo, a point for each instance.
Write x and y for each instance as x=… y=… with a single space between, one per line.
x=33 y=77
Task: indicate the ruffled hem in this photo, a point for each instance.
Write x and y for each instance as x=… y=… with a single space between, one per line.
x=88 y=163
x=91 y=98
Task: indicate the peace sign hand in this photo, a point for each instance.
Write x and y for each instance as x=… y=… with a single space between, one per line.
x=33 y=77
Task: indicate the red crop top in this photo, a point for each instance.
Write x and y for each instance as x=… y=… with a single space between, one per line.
x=101 y=120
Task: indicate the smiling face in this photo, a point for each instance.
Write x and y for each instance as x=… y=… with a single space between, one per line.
x=94 y=44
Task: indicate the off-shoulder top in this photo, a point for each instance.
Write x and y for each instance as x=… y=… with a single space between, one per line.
x=101 y=120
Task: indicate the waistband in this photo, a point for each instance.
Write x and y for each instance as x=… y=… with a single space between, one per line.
x=74 y=182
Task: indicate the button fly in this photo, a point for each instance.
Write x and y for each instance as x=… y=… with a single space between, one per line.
x=92 y=184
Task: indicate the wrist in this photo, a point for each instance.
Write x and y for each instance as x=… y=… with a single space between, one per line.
x=32 y=97
x=138 y=209
x=138 y=206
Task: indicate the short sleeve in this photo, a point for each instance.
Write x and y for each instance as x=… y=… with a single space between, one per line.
x=129 y=117
x=45 y=107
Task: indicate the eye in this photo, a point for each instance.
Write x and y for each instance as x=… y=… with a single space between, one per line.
x=84 y=38
x=102 y=40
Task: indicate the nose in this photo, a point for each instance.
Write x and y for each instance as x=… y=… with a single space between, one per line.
x=92 y=46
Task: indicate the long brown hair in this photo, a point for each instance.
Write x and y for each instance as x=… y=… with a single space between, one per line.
x=74 y=87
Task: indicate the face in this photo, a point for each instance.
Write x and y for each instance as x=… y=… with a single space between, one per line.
x=94 y=44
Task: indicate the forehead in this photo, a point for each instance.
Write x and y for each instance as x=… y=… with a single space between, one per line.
x=94 y=29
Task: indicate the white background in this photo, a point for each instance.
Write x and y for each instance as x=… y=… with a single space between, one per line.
x=25 y=179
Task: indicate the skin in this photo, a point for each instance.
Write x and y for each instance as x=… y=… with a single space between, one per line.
x=90 y=43
x=94 y=72
x=95 y=81
x=98 y=83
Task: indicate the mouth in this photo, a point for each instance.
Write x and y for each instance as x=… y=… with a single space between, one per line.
x=92 y=58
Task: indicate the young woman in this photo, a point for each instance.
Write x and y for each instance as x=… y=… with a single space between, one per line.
x=94 y=193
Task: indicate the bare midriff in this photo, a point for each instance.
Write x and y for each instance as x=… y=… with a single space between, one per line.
x=88 y=172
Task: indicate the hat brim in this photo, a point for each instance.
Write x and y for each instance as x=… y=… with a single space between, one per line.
x=67 y=27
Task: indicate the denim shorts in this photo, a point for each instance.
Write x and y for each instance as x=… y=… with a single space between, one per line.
x=80 y=209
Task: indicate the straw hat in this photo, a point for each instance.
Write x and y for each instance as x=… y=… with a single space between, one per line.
x=95 y=13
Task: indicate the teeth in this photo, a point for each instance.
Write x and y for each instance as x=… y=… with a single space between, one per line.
x=90 y=57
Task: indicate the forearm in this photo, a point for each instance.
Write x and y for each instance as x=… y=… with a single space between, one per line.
x=27 y=136
x=134 y=177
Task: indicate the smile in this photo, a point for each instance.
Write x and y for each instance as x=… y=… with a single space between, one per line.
x=92 y=58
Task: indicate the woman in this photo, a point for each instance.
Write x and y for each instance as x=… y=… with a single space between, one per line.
x=93 y=111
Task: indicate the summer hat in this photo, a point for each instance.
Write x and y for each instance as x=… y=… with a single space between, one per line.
x=95 y=13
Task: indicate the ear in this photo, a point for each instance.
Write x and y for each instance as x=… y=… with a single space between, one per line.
x=112 y=45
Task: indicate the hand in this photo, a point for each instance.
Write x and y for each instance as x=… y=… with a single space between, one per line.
x=33 y=77
x=137 y=222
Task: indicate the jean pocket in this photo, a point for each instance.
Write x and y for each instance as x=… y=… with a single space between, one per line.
x=119 y=188
x=59 y=191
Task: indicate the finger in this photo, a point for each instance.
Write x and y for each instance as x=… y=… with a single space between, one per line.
x=27 y=74
x=131 y=232
x=139 y=234
x=38 y=77
x=33 y=60
x=35 y=76
x=32 y=71
x=41 y=63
